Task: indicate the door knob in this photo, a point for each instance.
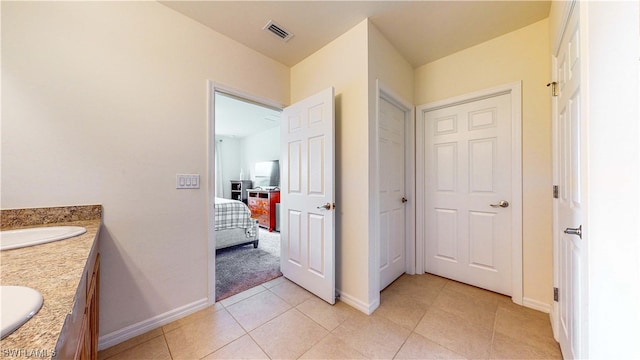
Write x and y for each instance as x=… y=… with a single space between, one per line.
x=327 y=206
x=404 y=200
x=502 y=203
x=574 y=231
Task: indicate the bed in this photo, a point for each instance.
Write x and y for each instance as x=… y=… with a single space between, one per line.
x=234 y=225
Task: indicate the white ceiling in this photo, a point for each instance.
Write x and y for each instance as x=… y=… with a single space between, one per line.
x=423 y=31
x=237 y=118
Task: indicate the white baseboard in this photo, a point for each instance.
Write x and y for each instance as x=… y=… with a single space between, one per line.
x=555 y=322
x=118 y=336
x=358 y=304
x=536 y=305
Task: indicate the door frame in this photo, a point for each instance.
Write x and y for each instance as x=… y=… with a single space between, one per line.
x=515 y=90
x=384 y=92
x=212 y=88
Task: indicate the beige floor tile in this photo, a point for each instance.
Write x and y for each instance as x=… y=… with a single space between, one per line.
x=242 y=348
x=474 y=292
x=375 y=337
x=450 y=320
x=291 y=293
x=271 y=283
x=107 y=353
x=481 y=311
x=258 y=309
x=289 y=335
x=154 y=349
x=325 y=314
x=400 y=308
x=508 y=304
x=505 y=347
x=418 y=347
x=193 y=317
x=203 y=336
x=525 y=327
x=421 y=288
x=456 y=333
x=243 y=295
x=331 y=347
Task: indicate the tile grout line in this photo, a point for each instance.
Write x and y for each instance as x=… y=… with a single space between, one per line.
x=164 y=337
x=493 y=332
x=425 y=314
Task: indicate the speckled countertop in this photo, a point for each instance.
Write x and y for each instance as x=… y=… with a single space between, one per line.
x=55 y=270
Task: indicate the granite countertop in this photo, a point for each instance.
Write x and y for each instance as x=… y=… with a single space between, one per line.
x=55 y=270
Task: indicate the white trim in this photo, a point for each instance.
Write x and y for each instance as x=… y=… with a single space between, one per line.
x=214 y=87
x=116 y=337
x=357 y=303
x=566 y=9
x=536 y=305
x=211 y=195
x=516 y=191
x=515 y=89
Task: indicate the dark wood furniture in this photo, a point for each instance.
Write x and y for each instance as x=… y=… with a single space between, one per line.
x=262 y=204
x=239 y=189
x=78 y=339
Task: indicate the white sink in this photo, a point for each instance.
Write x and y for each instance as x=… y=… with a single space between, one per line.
x=18 y=304
x=14 y=239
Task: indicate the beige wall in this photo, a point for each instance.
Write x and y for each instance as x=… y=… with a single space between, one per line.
x=610 y=124
x=343 y=65
x=352 y=64
x=387 y=65
x=105 y=103
x=520 y=55
x=388 y=68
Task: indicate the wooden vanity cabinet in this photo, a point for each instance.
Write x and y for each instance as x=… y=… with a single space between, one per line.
x=88 y=342
x=78 y=339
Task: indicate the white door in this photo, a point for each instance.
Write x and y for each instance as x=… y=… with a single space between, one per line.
x=569 y=203
x=391 y=170
x=307 y=195
x=468 y=179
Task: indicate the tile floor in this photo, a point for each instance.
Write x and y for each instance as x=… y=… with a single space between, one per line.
x=420 y=317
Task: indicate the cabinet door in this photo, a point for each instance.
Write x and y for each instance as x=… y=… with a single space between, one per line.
x=93 y=301
x=88 y=337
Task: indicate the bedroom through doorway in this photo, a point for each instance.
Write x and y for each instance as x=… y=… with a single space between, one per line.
x=247 y=193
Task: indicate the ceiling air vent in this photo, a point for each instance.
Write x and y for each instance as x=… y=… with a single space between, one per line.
x=278 y=31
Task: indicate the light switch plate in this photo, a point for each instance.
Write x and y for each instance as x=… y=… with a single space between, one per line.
x=187 y=181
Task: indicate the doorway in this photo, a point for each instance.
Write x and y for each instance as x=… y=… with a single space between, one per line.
x=395 y=183
x=243 y=136
x=470 y=189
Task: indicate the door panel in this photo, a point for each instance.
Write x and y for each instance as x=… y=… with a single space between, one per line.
x=307 y=184
x=391 y=180
x=467 y=162
x=446 y=234
x=569 y=206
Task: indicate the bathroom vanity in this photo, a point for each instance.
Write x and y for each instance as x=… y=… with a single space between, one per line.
x=67 y=274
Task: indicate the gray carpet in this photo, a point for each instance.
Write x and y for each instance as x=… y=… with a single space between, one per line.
x=241 y=268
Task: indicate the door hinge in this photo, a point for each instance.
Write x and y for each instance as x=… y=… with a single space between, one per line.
x=555 y=191
x=555 y=294
x=554 y=88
